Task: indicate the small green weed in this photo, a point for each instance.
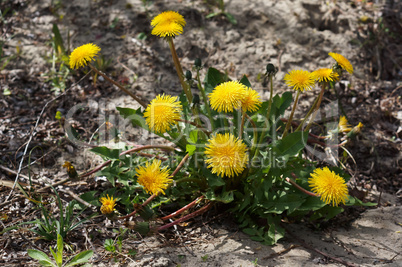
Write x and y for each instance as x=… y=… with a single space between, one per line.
x=44 y=260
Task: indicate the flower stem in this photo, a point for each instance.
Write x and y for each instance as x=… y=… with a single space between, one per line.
x=300 y=188
x=184 y=85
x=204 y=98
x=142 y=103
x=271 y=89
x=243 y=118
x=255 y=134
x=196 y=201
x=308 y=114
x=179 y=70
x=285 y=132
x=316 y=108
x=142 y=206
x=187 y=217
x=180 y=164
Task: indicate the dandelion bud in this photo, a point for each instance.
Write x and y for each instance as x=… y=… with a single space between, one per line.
x=197 y=63
x=189 y=75
x=196 y=99
x=271 y=70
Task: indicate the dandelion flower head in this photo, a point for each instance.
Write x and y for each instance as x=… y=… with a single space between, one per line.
x=343 y=125
x=342 y=61
x=168 y=23
x=153 y=178
x=227 y=96
x=357 y=129
x=108 y=204
x=331 y=187
x=251 y=102
x=162 y=113
x=83 y=54
x=68 y=166
x=300 y=80
x=226 y=155
x=325 y=75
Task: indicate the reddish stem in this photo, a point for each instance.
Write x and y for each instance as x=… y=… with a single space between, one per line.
x=185 y=218
x=180 y=164
x=183 y=209
x=142 y=205
x=299 y=187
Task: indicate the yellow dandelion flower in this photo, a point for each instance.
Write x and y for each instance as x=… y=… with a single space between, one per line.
x=325 y=75
x=72 y=173
x=251 y=102
x=357 y=129
x=342 y=61
x=108 y=204
x=153 y=178
x=83 y=54
x=168 y=23
x=227 y=96
x=226 y=155
x=331 y=187
x=343 y=125
x=300 y=80
x=162 y=113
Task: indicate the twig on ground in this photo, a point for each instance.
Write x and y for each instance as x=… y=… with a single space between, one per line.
x=5 y=203
x=76 y=197
x=21 y=175
x=33 y=132
x=30 y=242
x=53 y=185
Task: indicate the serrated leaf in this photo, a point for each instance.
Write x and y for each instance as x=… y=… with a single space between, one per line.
x=214 y=77
x=106 y=152
x=215 y=181
x=250 y=231
x=226 y=197
x=90 y=198
x=193 y=137
x=291 y=144
x=190 y=149
x=244 y=80
x=136 y=117
x=353 y=201
x=285 y=102
x=288 y=202
x=275 y=233
x=312 y=203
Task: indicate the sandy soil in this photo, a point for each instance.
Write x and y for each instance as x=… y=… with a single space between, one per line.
x=289 y=34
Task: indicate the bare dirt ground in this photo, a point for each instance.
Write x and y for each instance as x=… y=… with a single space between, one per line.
x=289 y=34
